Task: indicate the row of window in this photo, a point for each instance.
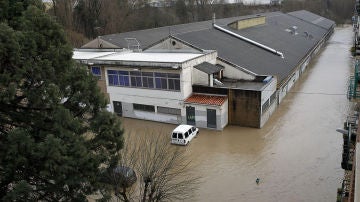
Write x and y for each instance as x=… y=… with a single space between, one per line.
x=137 y=79
x=151 y=108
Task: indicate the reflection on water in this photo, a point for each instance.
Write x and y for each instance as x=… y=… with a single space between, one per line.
x=296 y=155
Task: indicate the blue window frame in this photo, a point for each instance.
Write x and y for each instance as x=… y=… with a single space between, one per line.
x=174 y=81
x=96 y=71
x=161 y=80
x=148 y=79
x=124 y=78
x=135 y=77
x=118 y=78
x=138 y=79
x=113 y=80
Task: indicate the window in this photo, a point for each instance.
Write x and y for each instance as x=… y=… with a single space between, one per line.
x=124 y=78
x=174 y=135
x=161 y=81
x=193 y=129
x=174 y=81
x=138 y=79
x=135 y=77
x=118 y=78
x=147 y=108
x=113 y=78
x=273 y=98
x=167 y=110
x=148 y=79
x=180 y=136
x=186 y=134
x=265 y=106
x=189 y=131
x=96 y=71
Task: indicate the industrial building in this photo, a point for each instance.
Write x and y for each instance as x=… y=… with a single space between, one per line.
x=209 y=74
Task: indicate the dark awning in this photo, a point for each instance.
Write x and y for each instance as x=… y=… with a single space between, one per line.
x=209 y=68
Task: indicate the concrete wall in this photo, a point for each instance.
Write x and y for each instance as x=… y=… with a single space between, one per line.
x=266 y=97
x=200 y=78
x=244 y=108
x=235 y=73
x=128 y=111
x=201 y=115
x=102 y=82
x=163 y=98
x=172 y=45
x=268 y=90
x=249 y=22
x=224 y=114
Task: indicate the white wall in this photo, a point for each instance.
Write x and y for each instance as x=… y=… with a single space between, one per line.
x=224 y=114
x=171 y=45
x=201 y=115
x=200 y=77
x=163 y=98
x=268 y=90
x=235 y=73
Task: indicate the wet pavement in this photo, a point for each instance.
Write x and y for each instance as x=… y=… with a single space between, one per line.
x=296 y=155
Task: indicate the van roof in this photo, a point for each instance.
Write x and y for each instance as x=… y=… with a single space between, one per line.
x=182 y=128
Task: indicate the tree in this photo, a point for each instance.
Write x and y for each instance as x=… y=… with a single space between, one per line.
x=163 y=170
x=55 y=133
x=181 y=12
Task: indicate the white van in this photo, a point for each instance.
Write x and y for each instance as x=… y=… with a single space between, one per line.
x=183 y=134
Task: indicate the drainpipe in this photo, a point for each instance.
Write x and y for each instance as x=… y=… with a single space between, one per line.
x=213 y=19
x=249 y=41
x=211 y=80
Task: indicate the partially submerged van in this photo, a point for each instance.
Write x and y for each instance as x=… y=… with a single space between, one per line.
x=183 y=134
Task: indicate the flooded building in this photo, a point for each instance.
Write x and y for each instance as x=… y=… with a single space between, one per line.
x=218 y=72
x=350 y=191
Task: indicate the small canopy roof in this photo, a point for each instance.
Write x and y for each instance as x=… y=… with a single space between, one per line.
x=209 y=68
x=217 y=100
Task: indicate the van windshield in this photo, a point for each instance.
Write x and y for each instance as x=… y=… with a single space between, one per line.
x=174 y=135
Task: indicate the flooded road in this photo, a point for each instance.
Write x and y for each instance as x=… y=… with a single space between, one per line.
x=296 y=155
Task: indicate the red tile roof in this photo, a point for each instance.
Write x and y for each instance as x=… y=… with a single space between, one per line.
x=206 y=99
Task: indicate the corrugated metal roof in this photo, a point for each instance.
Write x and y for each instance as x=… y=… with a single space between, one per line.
x=206 y=99
x=208 y=68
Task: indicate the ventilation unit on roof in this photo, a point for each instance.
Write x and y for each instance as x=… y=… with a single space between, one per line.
x=293 y=30
x=133 y=44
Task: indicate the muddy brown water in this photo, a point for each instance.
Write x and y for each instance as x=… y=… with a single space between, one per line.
x=296 y=155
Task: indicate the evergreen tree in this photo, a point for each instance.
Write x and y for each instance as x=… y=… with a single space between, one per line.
x=55 y=134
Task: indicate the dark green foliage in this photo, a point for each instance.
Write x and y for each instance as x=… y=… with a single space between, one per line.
x=54 y=132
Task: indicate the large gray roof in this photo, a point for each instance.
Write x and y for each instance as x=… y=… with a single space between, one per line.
x=313 y=18
x=275 y=33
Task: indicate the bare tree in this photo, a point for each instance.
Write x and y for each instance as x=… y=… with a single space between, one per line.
x=163 y=170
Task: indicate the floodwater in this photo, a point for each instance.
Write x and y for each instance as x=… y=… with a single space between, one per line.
x=296 y=155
